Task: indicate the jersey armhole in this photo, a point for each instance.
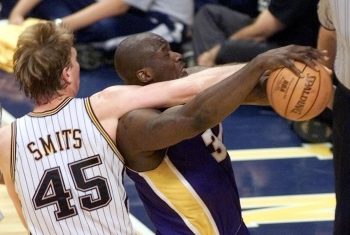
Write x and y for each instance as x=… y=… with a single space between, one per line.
x=98 y=125
x=13 y=150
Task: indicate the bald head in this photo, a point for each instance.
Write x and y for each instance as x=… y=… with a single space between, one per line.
x=135 y=53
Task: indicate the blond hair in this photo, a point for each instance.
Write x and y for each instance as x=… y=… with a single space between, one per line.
x=43 y=51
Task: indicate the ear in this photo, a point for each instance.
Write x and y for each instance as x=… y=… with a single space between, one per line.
x=144 y=75
x=66 y=76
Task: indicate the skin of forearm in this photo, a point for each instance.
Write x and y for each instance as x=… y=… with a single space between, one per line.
x=24 y=7
x=327 y=41
x=258 y=95
x=262 y=28
x=250 y=32
x=225 y=96
x=197 y=82
x=94 y=13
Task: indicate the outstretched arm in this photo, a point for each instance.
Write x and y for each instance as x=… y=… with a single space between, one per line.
x=262 y=28
x=95 y=12
x=147 y=130
x=21 y=9
x=80 y=19
x=115 y=101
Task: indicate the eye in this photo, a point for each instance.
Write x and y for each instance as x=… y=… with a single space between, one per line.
x=166 y=54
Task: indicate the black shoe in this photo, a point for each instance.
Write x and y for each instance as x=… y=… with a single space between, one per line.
x=313 y=131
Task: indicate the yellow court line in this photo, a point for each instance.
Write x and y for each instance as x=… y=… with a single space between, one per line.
x=321 y=151
x=288 y=209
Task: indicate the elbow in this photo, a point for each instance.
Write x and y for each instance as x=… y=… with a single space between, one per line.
x=204 y=120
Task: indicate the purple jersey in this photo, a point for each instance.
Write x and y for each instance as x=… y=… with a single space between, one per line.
x=193 y=190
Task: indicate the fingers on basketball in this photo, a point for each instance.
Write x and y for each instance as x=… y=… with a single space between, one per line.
x=299 y=98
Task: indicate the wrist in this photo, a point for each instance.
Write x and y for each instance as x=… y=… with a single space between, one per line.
x=260 y=62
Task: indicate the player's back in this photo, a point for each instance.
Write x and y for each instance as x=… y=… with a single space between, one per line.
x=68 y=173
x=193 y=190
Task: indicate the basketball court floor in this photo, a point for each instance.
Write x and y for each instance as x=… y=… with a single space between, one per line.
x=286 y=186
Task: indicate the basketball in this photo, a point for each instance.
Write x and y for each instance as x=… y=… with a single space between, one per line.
x=299 y=98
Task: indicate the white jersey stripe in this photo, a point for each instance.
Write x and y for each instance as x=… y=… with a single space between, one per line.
x=13 y=150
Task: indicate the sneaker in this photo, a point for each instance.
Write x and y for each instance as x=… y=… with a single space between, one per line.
x=313 y=131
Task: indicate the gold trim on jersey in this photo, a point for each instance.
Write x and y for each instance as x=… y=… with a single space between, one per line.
x=13 y=150
x=168 y=183
x=52 y=111
x=102 y=130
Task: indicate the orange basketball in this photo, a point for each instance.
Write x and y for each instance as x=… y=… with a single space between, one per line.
x=299 y=98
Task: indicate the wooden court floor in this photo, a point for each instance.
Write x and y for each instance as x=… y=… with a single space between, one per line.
x=10 y=224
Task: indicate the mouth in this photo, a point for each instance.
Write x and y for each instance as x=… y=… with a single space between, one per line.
x=183 y=71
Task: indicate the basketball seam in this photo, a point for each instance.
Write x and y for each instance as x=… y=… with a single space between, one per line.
x=318 y=92
x=271 y=87
x=290 y=97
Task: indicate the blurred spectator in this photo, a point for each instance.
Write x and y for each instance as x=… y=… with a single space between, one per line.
x=107 y=22
x=245 y=6
x=222 y=35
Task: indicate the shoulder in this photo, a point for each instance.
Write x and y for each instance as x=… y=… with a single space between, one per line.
x=111 y=101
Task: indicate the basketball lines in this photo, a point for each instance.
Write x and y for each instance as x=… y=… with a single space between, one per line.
x=289 y=100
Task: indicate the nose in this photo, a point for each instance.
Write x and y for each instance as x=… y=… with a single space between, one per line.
x=176 y=56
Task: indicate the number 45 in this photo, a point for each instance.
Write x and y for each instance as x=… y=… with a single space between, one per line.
x=52 y=190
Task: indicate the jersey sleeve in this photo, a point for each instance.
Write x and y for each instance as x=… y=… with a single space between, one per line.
x=325 y=14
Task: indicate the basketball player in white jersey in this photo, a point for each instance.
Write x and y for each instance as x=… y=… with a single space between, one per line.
x=60 y=162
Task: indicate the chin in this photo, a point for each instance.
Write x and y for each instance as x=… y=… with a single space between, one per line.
x=183 y=74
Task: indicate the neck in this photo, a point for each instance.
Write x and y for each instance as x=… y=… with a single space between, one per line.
x=51 y=104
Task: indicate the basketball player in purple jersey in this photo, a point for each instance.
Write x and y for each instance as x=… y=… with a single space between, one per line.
x=176 y=157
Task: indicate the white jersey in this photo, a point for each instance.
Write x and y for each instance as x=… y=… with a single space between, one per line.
x=334 y=15
x=68 y=173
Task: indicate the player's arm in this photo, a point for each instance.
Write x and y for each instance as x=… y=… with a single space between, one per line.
x=5 y=165
x=146 y=130
x=95 y=12
x=115 y=101
x=327 y=40
x=207 y=109
x=262 y=28
x=21 y=9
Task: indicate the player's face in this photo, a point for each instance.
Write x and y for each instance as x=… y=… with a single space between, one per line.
x=167 y=64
